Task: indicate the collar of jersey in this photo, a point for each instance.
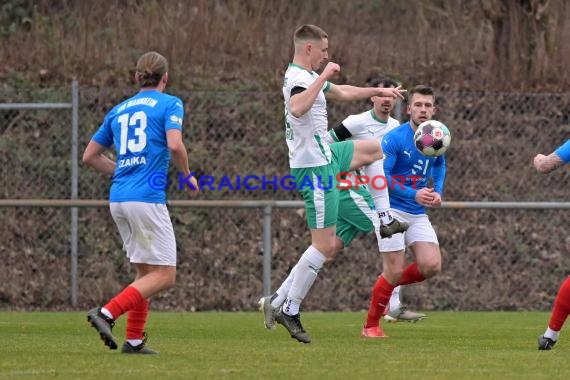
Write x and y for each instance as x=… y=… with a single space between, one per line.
x=300 y=67
x=376 y=117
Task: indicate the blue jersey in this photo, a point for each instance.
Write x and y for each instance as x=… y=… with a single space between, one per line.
x=407 y=170
x=564 y=152
x=137 y=127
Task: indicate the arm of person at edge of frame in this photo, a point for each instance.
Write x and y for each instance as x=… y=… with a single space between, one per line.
x=546 y=164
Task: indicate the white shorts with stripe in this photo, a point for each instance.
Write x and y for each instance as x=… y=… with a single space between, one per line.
x=147 y=233
x=419 y=230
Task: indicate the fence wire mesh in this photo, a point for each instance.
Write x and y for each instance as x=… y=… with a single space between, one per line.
x=492 y=258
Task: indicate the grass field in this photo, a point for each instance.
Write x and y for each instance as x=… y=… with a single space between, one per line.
x=447 y=345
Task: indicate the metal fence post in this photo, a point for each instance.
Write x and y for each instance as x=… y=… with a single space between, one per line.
x=267 y=211
x=74 y=186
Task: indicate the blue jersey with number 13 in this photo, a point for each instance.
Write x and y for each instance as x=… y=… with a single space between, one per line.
x=137 y=127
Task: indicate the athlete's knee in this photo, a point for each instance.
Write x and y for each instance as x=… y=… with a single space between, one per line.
x=378 y=154
x=374 y=153
x=375 y=150
x=392 y=274
x=168 y=278
x=430 y=269
x=395 y=277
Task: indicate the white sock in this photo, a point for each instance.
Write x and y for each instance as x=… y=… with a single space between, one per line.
x=281 y=293
x=107 y=313
x=552 y=334
x=385 y=217
x=291 y=307
x=379 y=189
x=395 y=298
x=134 y=342
x=305 y=275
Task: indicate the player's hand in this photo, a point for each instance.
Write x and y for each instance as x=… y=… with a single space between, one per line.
x=546 y=164
x=397 y=92
x=195 y=190
x=330 y=69
x=539 y=161
x=436 y=202
x=427 y=197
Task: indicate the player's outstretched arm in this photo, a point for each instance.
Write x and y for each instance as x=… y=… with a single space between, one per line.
x=561 y=156
x=347 y=92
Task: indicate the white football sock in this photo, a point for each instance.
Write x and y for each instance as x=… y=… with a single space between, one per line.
x=379 y=189
x=305 y=275
x=281 y=293
x=291 y=307
x=107 y=313
x=395 y=298
x=134 y=342
x=552 y=334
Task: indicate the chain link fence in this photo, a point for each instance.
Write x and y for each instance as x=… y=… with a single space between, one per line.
x=493 y=259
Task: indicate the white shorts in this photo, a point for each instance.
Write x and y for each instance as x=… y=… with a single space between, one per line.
x=147 y=233
x=420 y=229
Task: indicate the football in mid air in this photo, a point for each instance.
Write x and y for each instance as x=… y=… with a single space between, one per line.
x=432 y=138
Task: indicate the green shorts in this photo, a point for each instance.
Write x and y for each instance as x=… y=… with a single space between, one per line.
x=318 y=186
x=356 y=214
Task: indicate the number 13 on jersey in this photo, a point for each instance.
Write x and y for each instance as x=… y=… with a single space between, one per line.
x=138 y=121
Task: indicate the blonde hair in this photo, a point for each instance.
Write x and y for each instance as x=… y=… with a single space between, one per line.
x=150 y=68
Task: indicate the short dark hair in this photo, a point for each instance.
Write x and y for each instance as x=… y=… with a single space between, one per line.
x=309 y=32
x=423 y=90
x=384 y=82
